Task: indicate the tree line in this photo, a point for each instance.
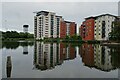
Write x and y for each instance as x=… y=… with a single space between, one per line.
x=115 y=33
x=15 y=34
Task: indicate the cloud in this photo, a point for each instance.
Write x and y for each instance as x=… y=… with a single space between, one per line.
x=18 y=13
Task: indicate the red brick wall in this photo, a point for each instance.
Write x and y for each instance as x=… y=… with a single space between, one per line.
x=63 y=29
x=72 y=28
x=82 y=31
x=89 y=33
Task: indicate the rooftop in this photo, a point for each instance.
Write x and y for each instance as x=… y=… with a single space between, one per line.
x=99 y=16
x=26 y=26
x=68 y=22
x=106 y=15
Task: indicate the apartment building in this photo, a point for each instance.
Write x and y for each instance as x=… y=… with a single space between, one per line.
x=46 y=25
x=97 y=28
x=87 y=29
x=103 y=26
x=82 y=30
x=67 y=28
x=49 y=25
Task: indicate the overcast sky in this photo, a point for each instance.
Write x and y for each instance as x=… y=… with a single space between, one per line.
x=16 y=14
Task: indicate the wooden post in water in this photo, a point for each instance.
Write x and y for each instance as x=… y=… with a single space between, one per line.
x=8 y=66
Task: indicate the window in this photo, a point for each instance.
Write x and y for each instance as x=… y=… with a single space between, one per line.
x=103 y=29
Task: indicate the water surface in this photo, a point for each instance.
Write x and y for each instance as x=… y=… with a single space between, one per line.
x=59 y=60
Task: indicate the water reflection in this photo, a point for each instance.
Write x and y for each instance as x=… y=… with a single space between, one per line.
x=43 y=58
x=8 y=66
x=49 y=55
x=87 y=54
x=104 y=58
x=15 y=45
x=25 y=48
x=115 y=53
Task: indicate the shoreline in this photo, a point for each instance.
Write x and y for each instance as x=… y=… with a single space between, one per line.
x=64 y=40
x=112 y=43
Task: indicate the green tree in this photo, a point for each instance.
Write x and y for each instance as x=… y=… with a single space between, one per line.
x=76 y=37
x=67 y=37
x=115 y=33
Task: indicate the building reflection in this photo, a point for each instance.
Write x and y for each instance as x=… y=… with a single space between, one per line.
x=25 y=48
x=104 y=58
x=49 y=55
x=87 y=54
x=8 y=67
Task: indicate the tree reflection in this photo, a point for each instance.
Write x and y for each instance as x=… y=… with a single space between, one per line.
x=115 y=53
x=15 y=45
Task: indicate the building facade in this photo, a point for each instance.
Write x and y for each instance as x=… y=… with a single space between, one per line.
x=103 y=26
x=46 y=25
x=67 y=28
x=82 y=30
x=87 y=29
x=49 y=25
x=97 y=28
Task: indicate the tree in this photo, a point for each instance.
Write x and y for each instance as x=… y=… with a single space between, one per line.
x=15 y=34
x=115 y=33
x=76 y=37
x=67 y=37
